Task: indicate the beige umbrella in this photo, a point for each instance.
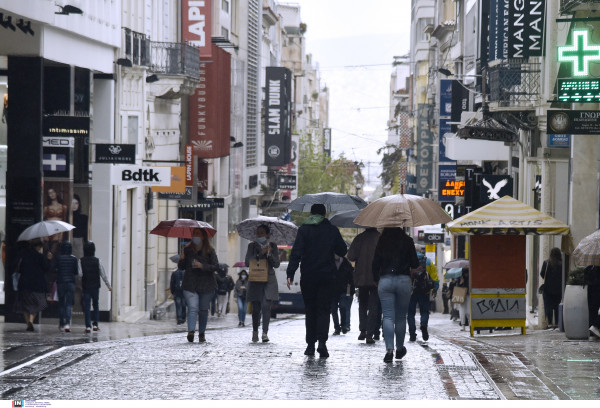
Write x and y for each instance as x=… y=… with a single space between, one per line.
x=587 y=251
x=402 y=210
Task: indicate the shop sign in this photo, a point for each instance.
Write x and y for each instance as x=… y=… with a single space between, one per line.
x=494 y=187
x=579 y=90
x=206 y=204
x=196 y=25
x=187 y=195
x=278 y=98
x=140 y=176
x=57 y=159
x=449 y=186
x=115 y=153
x=579 y=53
x=286 y=182
x=559 y=140
x=424 y=151
x=574 y=122
x=483 y=308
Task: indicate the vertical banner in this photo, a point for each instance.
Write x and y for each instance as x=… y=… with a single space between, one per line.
x=444 y=128
x=445 y=97
x=447 y=190
x=189 y=165
x=327 y=141
x=210 y=108
x=460 y=103
x=278 y=135
x=424 y=151
x=196 y=25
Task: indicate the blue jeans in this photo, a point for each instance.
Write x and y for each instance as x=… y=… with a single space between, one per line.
x=198 y=304
x=242 y=308
x=394 y=293
x=90 y=298
x=421 y=299
x=66 y=295
x=180 y=308
x=343 y=303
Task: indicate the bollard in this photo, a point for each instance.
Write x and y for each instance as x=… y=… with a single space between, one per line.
x=560 y=317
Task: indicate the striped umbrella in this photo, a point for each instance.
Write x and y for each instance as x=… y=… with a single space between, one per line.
x=588 y=250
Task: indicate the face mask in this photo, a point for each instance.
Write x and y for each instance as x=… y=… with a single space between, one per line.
x=197 y=240
x=244 y=277
x=261 y=240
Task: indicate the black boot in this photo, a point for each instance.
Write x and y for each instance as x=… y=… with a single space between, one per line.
x=310 y=350
x=322 y=349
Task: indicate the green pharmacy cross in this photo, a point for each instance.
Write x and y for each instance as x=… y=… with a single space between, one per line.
x=580 y=53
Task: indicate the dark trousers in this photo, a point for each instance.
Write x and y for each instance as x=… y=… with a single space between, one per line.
x=551 y=303
x=593 y=305
x=369 y=310
x=90 y=298
x=317 y=297
x=343 y=303
x=180 y=308
x=421 y=299
x=445 y=302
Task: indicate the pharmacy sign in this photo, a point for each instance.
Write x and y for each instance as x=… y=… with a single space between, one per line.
x=580 y=53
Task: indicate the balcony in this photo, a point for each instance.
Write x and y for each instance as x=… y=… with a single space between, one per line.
x=160 y=57
x=514 y=84
x=570 y=6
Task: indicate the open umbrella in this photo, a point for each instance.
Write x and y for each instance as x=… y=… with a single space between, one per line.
x=587 y=251
x=182 y=228
x=453 y=273
x=345 y=219
x=282 y=232
x=402 y=210
x=331 y=201
x=44 y=229
x=239 y=264
x=457 y=263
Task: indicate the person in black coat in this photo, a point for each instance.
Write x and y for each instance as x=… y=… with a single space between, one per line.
x=176 y=287
x=32 y=286
x=92 y=270
x=552 y=291
x=67 y=267
x=317 y=241
x=342 y=295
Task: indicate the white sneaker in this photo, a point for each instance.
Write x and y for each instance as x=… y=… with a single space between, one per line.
x=595 y=331
x=67 y=328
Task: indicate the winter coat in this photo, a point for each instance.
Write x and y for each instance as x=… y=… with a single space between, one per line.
x=268 y=290
x=343 y=278
x=200 y=280
x=224 y=284
x=176 y=285
x=33 y=267
x=241 y=288
x=397 y=262
x=361 y=252
x=316 y=242
x=431 y=271
x=552 y=275
x=67 y=266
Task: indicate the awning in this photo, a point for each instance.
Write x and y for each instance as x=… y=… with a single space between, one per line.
x=507 y=216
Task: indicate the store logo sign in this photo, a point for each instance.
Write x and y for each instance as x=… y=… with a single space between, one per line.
x=580 y=53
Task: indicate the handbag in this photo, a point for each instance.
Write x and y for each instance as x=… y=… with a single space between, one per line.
x=259 y=270
x=458 y=294
x=541 y=288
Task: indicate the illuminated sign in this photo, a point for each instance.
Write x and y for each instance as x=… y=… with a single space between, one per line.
x=579 y=90
x=453 y=188
x=580 y=53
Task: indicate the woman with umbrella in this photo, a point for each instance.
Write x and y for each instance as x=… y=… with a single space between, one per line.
x=262 y=294
x=199 y=281
x=32 y=286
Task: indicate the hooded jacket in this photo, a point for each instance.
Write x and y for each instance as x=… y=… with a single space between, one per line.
x=67 y=265
x=316 y=242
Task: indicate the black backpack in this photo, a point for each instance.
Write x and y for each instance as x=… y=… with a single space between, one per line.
x=422 y=282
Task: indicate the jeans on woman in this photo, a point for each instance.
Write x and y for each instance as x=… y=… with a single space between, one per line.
x=90 y=298
x=221 y=304
x=242 y=307
x=66 y=295
x=394 y=293
x=198 y=304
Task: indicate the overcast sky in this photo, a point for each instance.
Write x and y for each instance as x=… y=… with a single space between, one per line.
x=354 y=43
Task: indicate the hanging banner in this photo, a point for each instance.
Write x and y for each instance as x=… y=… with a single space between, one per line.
x=210 y=108
x=424 y=151
x=278 y=135
x=196 y=25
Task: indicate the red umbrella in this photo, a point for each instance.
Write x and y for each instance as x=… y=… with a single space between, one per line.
x=239 y=264
x=182 y=228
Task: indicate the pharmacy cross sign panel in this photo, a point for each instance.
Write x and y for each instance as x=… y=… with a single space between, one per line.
x=580 y=53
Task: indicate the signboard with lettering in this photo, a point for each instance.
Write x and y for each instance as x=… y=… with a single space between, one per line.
x=575 y=122
x=57 y=160
x=196 y=25
x=424 y=151
x=286 y=182
x=450 y=188
x=579 y=90
x=559 y=140
x=187 y=195
x=140 y=176
x=115 y=153
x=278 y=134
x=483 y=308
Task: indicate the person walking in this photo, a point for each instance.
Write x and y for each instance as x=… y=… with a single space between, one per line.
x=551 y=272
x=92 y=270
x=176 y=287
x=262 y=294
x=66 y=268
x=240 y=291
x=395 y=255
x=317 y=241
x=343 y=292
x=199 y=281
x=445 y=298
x=464 y=307
x=591 y=278
x=361 y=252
x=32 y=266
x=421 y=297
x=222 y=289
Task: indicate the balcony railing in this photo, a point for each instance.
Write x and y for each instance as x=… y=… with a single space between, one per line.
x=175 y=59
x=514 y=83
x=161 y=57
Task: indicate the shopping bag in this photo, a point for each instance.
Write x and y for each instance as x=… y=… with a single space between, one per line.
x=259 y=270
x=458 y=294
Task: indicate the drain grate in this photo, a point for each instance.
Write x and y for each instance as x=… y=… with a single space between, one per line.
x=447 y=367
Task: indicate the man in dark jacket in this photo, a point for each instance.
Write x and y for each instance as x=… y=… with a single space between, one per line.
x=176 y=286
x=92 y=271
x=316 y=243
x=361 y=252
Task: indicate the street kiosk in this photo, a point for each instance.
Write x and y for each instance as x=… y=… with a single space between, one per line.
x=497 y=278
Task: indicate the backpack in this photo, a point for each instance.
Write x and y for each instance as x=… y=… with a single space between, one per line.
x=422 y=282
